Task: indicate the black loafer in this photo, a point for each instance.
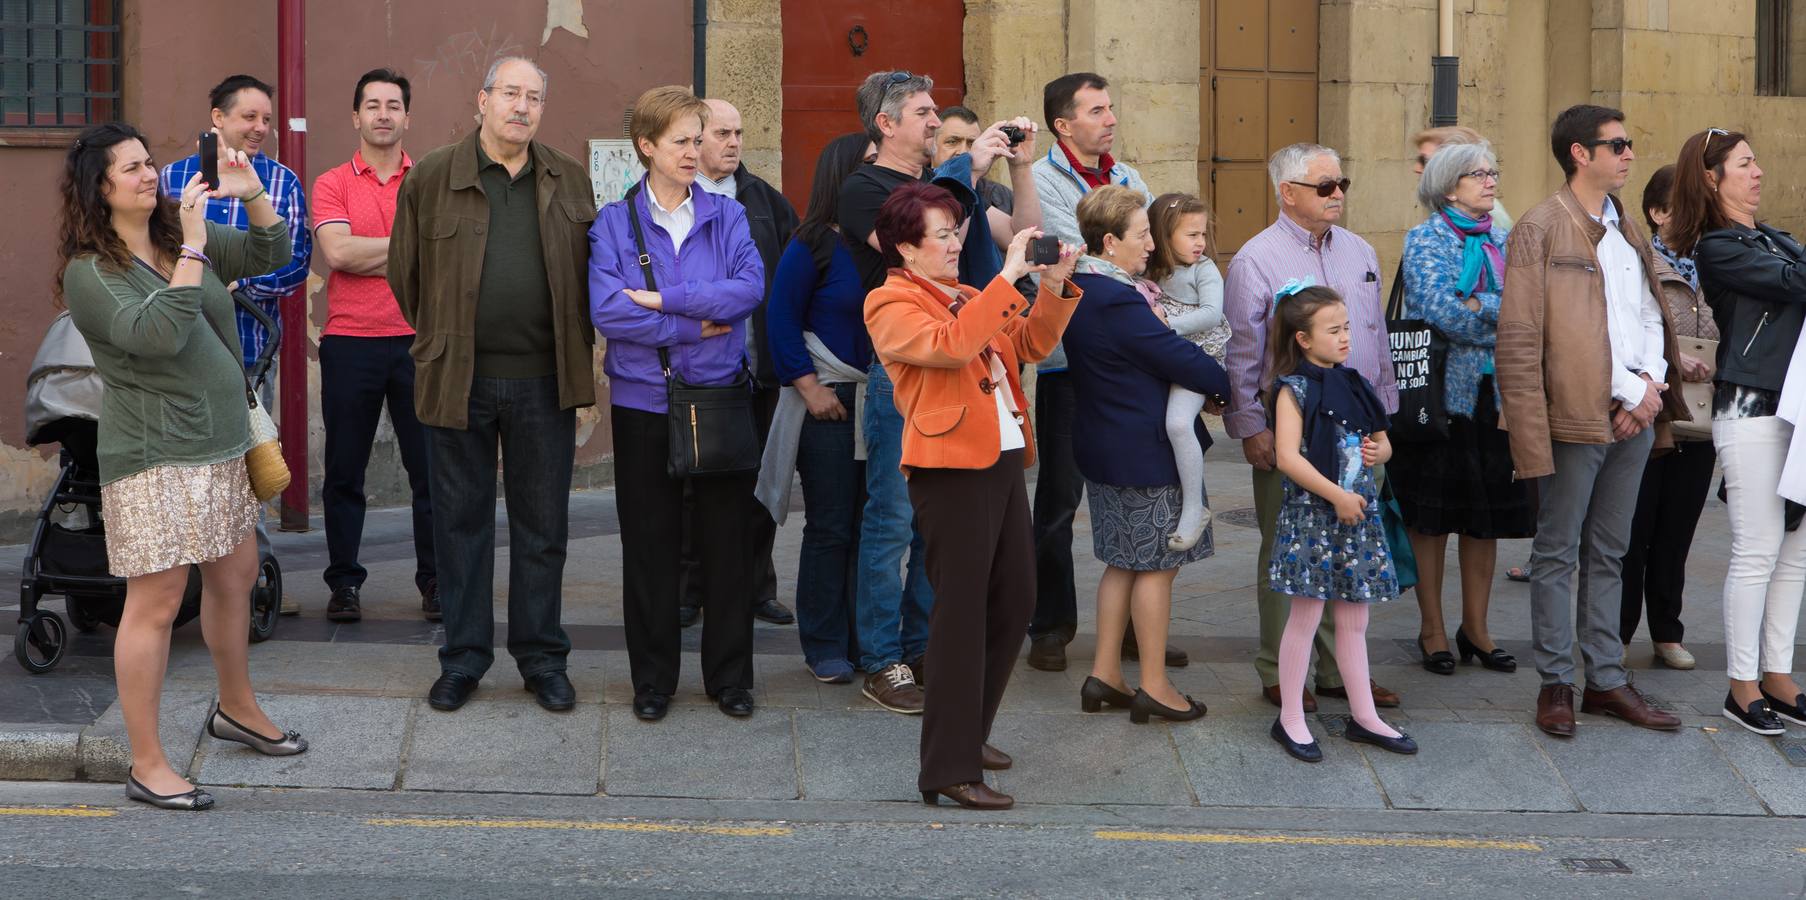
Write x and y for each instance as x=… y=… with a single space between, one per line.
x=1401 y=744
x=1309 y=753
x=1757 y=717
x=451 y=690
x=1794 y=712
x=553 y=690
x=736 y=702
x=651 y=707
x=345 y=605
x=774 y=612
x=688 y=615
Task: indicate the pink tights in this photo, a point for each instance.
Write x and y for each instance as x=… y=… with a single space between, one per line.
x=1351 y=657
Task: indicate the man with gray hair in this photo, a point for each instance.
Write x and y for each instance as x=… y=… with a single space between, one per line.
x=900 y=116
x=489 y=261
x=1305 y=242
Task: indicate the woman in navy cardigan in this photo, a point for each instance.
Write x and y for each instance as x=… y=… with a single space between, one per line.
x=1123 y=361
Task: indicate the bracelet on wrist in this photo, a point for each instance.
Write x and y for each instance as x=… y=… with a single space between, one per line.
x=253 y=197
x=192 y=252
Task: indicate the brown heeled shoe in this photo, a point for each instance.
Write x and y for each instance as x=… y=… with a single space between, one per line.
x=994 y=759
x=971 y=795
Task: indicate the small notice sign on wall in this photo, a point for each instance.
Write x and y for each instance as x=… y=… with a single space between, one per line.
x=613 y=168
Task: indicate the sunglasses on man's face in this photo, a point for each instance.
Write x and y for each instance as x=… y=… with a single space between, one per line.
x=1325 y=188
x=1618 y=145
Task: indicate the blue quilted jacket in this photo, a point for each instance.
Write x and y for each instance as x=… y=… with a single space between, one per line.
x=1432 y=267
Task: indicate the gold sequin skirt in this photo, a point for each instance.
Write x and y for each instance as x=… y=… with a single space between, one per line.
x=170 y=516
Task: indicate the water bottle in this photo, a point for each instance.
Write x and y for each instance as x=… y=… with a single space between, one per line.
x=1351 y=460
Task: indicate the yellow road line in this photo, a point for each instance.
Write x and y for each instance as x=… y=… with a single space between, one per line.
x=638 y=827
x=75 y=812
x=1314 y=840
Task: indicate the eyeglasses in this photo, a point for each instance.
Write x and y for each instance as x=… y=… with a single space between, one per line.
x=1482 y=175
x=1618 y=145
x=900 y=76
x=509 y=95
x=1422 y=160
x=1325 y=188
x=1711 y=133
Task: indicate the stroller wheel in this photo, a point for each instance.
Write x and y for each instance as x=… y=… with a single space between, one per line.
x=266 y=600
x=40 y=642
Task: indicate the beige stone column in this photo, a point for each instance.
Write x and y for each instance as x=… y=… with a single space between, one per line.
x=1013 y=48
x=745 y=68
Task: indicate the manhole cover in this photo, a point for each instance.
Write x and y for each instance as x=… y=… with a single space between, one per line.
x=1334 y=724
x=1596 y=866
x=1793 y=750
x=1240 y=518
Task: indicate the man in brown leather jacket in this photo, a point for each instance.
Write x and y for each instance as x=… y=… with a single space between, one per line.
x=1583 y=359
x=489 y=261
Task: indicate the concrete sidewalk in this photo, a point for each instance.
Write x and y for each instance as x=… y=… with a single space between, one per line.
x=357 y=692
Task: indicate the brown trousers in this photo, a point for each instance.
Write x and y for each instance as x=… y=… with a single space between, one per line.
x=980 y=546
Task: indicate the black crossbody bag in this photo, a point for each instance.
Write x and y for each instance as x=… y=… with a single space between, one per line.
x=712 y=429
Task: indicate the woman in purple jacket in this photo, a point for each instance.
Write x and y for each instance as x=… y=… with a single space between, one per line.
x=709 y=279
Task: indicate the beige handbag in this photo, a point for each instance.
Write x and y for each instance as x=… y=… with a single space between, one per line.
x=1696 y=394
x=268 y=470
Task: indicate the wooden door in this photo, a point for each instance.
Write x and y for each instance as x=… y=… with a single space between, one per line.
x=1258 y=93
x=830 y=46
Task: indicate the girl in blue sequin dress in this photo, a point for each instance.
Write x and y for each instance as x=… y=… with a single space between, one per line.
x=1329 y=544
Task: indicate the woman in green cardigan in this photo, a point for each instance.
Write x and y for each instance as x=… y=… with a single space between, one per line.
x=145 y=282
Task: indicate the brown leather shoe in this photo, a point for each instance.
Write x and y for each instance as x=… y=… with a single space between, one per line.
x=894 y=688
x=1625 y=703
x=1555 y=709
x=971 y=795
x=1271 y=692
x=1381 y=696
x=994 y=759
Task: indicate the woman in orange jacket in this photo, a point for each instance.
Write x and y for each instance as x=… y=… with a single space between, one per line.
x=953 y=352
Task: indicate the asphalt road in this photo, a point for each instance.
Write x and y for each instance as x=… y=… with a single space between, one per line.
x=359 y=844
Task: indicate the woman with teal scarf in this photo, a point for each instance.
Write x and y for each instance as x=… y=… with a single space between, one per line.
x=1454 y=268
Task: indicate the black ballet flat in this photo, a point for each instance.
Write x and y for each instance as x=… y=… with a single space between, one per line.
x=1441 y=662
x=1309 y=753
x=1095 y=695
x=1360 y=735
x=1494 y=659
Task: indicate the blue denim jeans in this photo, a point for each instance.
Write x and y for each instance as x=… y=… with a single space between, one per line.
x=827 y=573
x=538 y=444
x=893 y=602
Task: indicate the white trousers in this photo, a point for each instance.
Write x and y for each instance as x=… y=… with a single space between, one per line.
x=1767 y=571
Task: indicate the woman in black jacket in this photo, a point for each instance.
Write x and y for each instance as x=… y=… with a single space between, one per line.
x=1754 y=278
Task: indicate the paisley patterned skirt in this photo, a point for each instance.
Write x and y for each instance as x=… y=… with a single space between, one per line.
x=1130 y=525
x=169 y=516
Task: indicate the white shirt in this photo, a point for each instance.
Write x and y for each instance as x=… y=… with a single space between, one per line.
x=1009 y=427
x=676 y=222
x=1632 y=319
x=726 y=187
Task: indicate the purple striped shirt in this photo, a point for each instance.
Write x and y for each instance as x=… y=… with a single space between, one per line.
x=1280 y=253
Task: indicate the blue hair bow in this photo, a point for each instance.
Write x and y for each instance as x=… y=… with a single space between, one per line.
x=1291 y=288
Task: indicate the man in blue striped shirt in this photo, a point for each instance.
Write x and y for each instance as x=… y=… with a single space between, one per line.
x=242 y=110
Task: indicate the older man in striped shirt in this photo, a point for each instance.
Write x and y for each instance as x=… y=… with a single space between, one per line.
x=1305 y=242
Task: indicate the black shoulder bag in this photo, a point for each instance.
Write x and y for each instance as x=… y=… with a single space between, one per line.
x=1419 y=355
x=712 y=430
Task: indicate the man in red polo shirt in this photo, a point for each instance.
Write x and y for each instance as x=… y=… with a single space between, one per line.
x=364 y=361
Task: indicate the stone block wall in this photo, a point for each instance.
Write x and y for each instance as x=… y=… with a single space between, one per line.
x=745 y=68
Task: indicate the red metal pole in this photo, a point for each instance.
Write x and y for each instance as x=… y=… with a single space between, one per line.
x=291 y=117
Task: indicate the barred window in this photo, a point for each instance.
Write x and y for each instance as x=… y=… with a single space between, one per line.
x=59 y=63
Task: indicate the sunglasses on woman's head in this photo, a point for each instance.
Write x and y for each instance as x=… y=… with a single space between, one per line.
x=1325 y=188
x=1618 y=145
x=1710 y=134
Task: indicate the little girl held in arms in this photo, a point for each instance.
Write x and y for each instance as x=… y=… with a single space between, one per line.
x=1191 y=293
x=1329 y=545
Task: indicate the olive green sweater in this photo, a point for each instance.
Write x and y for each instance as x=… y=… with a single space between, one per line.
x=175 y=392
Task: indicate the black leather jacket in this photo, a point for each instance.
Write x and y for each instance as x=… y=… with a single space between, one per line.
x=1757 y=291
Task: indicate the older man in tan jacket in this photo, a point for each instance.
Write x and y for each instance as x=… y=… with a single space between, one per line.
x=1583 y=358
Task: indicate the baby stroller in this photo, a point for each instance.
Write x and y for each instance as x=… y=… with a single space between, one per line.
x=68 y=553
